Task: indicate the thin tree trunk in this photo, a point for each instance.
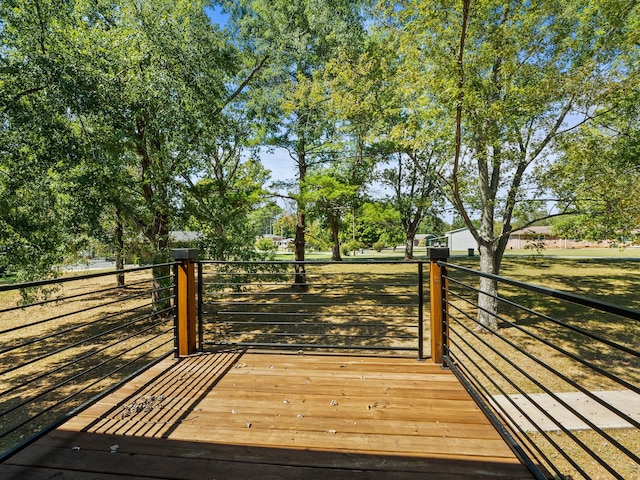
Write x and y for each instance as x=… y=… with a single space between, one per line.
x=335 y=231
x=119 y=238
x=161 y=297
x=408 y=248
x=300 y=281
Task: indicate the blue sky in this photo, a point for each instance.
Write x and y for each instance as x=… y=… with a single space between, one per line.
x=216 y=15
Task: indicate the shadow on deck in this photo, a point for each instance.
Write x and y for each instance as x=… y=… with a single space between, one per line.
x=243 y=415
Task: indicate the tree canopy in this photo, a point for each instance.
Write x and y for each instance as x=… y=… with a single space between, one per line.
x=127 y=119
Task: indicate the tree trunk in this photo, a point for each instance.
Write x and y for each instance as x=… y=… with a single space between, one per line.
x=119 y=238
x=335 y=230
x=161 y=297
x=408 y=249
x=487 y=301
x=410 y=232
x=300 y=281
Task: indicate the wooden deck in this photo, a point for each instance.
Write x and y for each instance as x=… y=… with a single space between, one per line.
x=236 y=415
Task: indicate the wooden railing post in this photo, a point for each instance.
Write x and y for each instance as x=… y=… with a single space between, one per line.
x=438 y=302
x=186 y=300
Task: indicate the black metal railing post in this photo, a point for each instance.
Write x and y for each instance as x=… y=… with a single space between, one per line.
x=445 y=313
x=420 y=311
x=175 y=310
x=200 y=305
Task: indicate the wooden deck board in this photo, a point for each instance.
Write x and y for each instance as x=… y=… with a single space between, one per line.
x=269 y=415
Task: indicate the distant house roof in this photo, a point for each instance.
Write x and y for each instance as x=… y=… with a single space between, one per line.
x=534 y=230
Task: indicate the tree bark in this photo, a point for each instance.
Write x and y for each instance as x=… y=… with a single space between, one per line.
x=161 y=297
x=487 y=298
x=335 y=233
x=119 y=238
x=300 y=281
x=408 y=248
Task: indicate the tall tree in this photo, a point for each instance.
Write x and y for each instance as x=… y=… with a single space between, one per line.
x=141 y=85
x=38 y=136
x=515 y=75
x=297 y=39
x=375 y=109
x=330 y=196
x=414 y=185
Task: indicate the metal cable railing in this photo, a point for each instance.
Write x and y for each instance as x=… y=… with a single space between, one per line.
x=375 y=306
x=562 y=377
x=75 y=339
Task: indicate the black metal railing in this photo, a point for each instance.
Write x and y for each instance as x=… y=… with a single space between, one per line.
x=67 y=341
x=559 y=376
x=554 y=360
x=374 y=306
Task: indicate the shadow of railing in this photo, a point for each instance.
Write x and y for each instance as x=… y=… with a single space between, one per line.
x=373 y=306
x=67 y=341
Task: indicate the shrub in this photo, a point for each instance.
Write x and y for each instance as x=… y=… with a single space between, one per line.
x=378 y=246
x=265 y=245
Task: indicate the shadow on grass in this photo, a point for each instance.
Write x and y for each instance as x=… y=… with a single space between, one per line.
x=60 y=354
x=346 y=306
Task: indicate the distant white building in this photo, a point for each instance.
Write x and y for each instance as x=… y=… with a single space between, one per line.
x=460 y=240
x=281 y=243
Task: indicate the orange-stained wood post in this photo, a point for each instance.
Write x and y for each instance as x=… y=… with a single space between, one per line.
x=438 y=301
x=185 y=300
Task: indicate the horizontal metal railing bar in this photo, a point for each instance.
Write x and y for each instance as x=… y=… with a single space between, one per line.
x=573 y=328
x=311 y=304
x=569 y=297
x=308 y=284
x=296 y=314
x=77 y=344
x=314 y=324
x=78 y=375
x=292 y=273
x=55 y=352
x=313 y=346
x=61 y=299
x=86 y=387
x=312 y=262
x=52 y=281
x=65 y=315
x=559 y=349
x=313 y=335
x=545 y=389
x=301 y=294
